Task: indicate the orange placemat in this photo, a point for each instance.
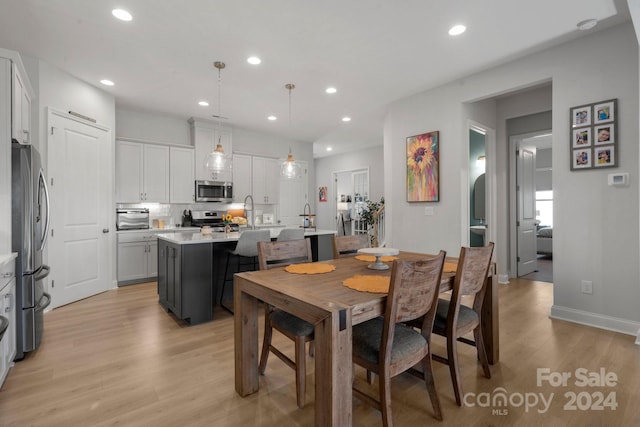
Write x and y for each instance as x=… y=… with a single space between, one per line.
x=371 y=258
x=450 y=267
x=368 y=283
x=309 y=268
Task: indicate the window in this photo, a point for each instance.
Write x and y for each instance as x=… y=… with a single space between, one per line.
x=544 y=207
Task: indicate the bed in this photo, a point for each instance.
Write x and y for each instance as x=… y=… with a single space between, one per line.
x=544 y=237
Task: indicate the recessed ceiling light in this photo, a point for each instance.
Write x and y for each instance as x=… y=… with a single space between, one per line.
x=456 y=30
x=122 y=14
x=587 y=24
x=331 y=90
x=272 y=118
x=203 y=103
x=254 y=60
x=107 y=82
x=329 y=148
x=346 y=119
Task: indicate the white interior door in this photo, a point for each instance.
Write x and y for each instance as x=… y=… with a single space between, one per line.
x=526 y=212
x=79 y=249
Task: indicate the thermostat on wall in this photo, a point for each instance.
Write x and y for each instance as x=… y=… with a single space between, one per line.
x=619 y=179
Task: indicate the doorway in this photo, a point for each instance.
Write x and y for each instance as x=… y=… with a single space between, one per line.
x=532 y=210
x=351 y=190
x=478 y=208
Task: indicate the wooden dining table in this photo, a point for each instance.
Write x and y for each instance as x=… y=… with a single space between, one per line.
x=333 y=308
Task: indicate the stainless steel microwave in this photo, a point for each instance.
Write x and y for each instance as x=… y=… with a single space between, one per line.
x=214 y=191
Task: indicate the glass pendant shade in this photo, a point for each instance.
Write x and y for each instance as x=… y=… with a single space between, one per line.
x=215 y=160
x=289 y=168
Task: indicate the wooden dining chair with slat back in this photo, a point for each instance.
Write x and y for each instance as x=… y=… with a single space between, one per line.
x=454 y=320
x=345 y=246
x=280 y=254
x=387 y=346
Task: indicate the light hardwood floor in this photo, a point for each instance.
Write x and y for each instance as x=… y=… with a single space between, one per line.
x=118 y=359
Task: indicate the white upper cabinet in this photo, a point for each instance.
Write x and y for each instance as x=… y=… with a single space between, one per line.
x=156 y=173
x=241 y=177
x=142 y=172
x=21 y=108
x=205 y=136
x=266 y=180
x=182 y=175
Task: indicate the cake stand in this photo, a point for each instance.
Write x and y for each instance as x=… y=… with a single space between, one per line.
x=378 y=253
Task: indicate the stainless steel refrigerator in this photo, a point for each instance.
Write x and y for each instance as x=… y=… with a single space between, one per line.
x=30 y=225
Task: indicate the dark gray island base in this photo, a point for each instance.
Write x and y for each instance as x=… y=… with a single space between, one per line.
x=191 y=270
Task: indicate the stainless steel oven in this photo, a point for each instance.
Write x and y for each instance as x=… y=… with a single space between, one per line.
x=214 y=191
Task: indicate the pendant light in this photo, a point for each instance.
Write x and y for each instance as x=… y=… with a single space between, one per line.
x=289 y=168
x=215 y=160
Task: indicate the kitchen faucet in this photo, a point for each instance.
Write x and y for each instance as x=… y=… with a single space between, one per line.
x=253 y=215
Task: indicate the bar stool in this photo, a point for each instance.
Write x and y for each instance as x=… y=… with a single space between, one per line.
x=291 y=234
x=247 y=247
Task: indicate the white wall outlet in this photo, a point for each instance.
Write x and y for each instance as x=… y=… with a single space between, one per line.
x=428 y=211
x=587 y=287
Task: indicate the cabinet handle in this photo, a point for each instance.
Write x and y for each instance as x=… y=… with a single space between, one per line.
x=9 y=307
x=3 y=275
x=141 y=196
x=105 y=230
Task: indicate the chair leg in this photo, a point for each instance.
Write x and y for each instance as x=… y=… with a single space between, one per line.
x=482 y=353
x=266 y=342
x=370 y=376
x=301 y=370
x=431 y=387
x=385 y=398
x=452 y=355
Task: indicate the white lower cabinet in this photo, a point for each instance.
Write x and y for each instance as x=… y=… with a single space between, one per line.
x=137 y=257
x=8 y=311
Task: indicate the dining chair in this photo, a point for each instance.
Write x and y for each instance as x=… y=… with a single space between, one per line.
x=280 y=254
x=290 y=234
x=345 y=246
x=388 y=346
x=454 y=320
x=245 y=248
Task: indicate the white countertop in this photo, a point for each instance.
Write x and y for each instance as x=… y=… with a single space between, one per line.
x=194 y=238
x=162 y=230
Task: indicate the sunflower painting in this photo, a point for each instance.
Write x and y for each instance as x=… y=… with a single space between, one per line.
x=423 y=158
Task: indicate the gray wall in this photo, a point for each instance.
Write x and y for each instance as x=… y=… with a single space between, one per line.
x=596 y=235
x=371 y=158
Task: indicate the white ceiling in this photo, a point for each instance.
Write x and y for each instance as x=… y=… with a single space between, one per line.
x=373 y=51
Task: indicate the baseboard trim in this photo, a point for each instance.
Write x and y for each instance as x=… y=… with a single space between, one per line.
x=595 y=320
x=503 y=279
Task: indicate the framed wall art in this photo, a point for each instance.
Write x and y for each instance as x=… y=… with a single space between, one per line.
x=593 y=135
x=423 y=167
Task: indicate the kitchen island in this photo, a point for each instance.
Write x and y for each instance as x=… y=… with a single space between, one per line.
x=191 y=269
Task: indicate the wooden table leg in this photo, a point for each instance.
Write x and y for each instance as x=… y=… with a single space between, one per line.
x=490 y=330
x=333 y=370
x=245 y=340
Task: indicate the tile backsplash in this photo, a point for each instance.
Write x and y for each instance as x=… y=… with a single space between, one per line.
x=171 y=213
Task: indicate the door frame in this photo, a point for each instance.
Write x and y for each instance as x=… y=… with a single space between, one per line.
x=112 y=282
x=514 y=141
x=491 y=232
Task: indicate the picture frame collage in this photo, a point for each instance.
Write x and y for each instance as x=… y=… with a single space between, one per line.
x=593 y=139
